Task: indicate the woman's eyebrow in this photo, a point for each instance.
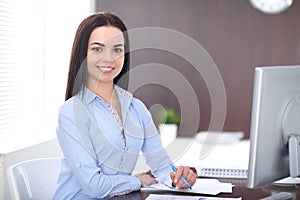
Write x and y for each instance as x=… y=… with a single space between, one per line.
x=103 y=45
x=98 y=43
x=118 y=45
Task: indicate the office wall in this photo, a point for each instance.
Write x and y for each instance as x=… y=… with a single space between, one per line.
x=236 y=36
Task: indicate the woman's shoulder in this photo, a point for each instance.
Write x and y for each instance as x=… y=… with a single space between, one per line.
x=70 y=105
x=141 y=110
x=138 y=103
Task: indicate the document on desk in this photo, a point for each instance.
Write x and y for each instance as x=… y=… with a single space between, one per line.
x=174 y=197
x=202 y=186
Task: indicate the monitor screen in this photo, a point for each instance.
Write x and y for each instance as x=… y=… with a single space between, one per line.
x=275 y=87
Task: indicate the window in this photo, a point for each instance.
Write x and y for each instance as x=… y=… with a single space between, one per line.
x=36 y=38
x=8 y=87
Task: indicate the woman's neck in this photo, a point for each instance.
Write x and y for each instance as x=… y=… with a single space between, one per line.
x=108 y=94
x=105 y=91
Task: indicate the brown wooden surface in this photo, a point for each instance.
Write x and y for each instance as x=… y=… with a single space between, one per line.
x=236 y=36
x=239 y=190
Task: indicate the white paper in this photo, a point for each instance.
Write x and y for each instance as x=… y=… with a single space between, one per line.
x=174 y=197
x=202 y=186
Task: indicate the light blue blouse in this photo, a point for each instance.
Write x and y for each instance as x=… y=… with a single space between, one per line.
x=98 y=159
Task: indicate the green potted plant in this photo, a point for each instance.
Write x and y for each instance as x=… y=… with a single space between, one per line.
x=168 y=116
x=168 y=120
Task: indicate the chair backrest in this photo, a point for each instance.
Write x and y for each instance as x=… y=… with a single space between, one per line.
x=33 y=179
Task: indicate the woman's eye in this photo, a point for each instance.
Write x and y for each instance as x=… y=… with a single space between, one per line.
x=118 y=50
x=97 y=49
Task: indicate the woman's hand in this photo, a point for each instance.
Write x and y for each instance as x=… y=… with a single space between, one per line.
x=185 y=172
x=146 y=178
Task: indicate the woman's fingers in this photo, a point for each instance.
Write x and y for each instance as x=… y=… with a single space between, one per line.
x=186 y=173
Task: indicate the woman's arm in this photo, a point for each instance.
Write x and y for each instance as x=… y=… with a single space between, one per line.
x=157 y=158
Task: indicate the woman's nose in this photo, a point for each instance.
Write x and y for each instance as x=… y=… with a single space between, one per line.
x=107 y=57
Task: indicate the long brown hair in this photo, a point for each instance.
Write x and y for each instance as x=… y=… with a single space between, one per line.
x=77 y=68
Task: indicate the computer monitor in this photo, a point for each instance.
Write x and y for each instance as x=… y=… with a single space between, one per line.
x=275 y=118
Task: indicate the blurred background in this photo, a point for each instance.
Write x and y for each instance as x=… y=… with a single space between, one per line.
x=236 y=36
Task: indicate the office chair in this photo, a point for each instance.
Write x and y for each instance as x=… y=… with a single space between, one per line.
x=33 y=179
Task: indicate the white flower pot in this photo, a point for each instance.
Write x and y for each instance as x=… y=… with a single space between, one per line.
x=168 y=132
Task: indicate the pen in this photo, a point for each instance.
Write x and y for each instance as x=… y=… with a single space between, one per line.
x=181 y=177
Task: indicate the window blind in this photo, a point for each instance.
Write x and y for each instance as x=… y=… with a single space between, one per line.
x=7 y=67
x=35 y=47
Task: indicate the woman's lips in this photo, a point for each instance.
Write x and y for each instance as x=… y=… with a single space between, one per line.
x=106 y=69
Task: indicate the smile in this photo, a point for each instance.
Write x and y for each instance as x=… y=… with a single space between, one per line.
x=105 y=69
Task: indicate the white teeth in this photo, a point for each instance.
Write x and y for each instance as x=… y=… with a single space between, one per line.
x=106 y=68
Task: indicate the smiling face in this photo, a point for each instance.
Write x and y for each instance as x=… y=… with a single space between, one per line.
x=105 y=55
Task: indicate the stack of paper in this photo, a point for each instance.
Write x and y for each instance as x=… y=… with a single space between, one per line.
x=228 y=160
x=202 y=186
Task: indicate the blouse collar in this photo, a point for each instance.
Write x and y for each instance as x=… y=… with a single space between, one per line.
x=88 y=95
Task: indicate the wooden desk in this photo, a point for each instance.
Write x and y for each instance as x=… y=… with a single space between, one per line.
x=239 y=190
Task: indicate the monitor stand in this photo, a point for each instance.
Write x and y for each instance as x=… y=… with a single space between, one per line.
x=287 y=182
x=294 y=162
x=280 y=196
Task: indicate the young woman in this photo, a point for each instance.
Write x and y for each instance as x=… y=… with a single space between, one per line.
x=102 y=127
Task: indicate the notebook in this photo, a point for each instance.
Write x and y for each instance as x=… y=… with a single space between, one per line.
x=226 y=160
